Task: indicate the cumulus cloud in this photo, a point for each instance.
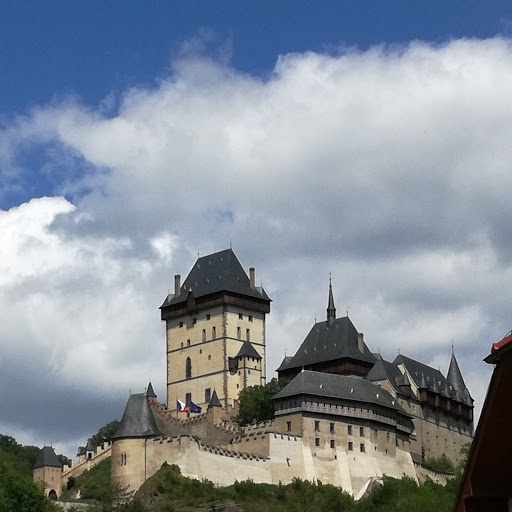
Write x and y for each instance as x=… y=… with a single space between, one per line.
x=388 y=168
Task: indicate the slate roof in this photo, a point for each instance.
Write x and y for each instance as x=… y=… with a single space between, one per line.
x=150 y=392
x=214 y=400
x=344 y=387
x=47 y=457
x=425 y=376
x=330 y=342
x=247 y=349
x=217 y=272
x=90 y=447
x=384 y=370
x=138 y=419
x=454 y=375
x=284 y=363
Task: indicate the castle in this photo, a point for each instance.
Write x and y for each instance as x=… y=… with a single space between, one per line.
x=346 y=416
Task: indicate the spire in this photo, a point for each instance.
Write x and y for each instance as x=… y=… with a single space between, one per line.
x=150 y=393
x=423 y=384
x=331 y=310
x=454 y=375
x=214 y=400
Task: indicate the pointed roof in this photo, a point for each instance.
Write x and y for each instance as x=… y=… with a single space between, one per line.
x=454 y=375
x=150 y=392
x=247 y=349
x=331 y=310
x=284 y=363
x=214 y=401
x=90 y=446
x=47 y=457
x=330 y=342
x=138 y=419
x=217 y=272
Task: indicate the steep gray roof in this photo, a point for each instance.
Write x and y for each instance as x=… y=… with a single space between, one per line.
x=47 y=457
x=284 y=363
x=150 y=392
x=384 y=370
x=217 y=272
x=138 y=419
x=454 y=375
x=433 y=378
x=247 y=349
x=425 y=376
x=90 y=447
x=214 y=400
x=330 y=342
x=344 y=387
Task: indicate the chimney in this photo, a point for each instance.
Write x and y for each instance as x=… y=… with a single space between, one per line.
x=252 y=277
x=177 y=285
x=360 y=342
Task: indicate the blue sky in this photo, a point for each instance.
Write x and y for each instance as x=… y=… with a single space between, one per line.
x=365 y=139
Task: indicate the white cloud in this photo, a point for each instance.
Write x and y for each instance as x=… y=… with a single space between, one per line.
x=389 y=168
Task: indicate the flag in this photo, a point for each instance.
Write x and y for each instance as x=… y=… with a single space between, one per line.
x=194 y=407
x=180 y=406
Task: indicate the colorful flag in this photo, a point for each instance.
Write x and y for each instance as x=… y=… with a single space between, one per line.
x=194 y=407
x=181 y=407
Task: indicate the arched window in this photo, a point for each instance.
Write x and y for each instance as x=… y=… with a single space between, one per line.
x=188 y=368
x=214 y=333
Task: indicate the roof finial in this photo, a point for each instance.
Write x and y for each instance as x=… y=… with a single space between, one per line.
x=331 y=310
x=453 y=351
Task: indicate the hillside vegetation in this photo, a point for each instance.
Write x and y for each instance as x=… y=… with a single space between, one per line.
x=18 y=493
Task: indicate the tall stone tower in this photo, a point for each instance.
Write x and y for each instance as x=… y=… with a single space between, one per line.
x=48 y=472
x=215 y=325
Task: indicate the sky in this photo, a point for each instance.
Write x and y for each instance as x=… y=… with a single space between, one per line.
x=366 y=140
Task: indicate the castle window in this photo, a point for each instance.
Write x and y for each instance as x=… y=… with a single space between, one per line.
x=194 y=321
x=248 y=334
x=331 y=428
x=375 y=434
x=250 y=318
x=349 y=430
x=182 y=344
x=332 y=443
x=207 y=394
x=200 y=350
x=209 y=357
x=350 y=446
x=181 y=324
x=317 y=426
x=238 y=332
x=188 y=399
x=188 y=343
x=317 y=441
x=123 y=459
x=208 y=316
x=214 y=333
x=362 y=448
x=240 y=316
x=204 y=334
x=361 y=431
x=288 y=425
x=188 y=368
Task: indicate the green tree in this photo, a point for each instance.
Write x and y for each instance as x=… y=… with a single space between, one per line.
x=105 y=433
x=255 y=402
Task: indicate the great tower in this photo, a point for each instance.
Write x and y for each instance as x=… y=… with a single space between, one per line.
x=215 y=329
